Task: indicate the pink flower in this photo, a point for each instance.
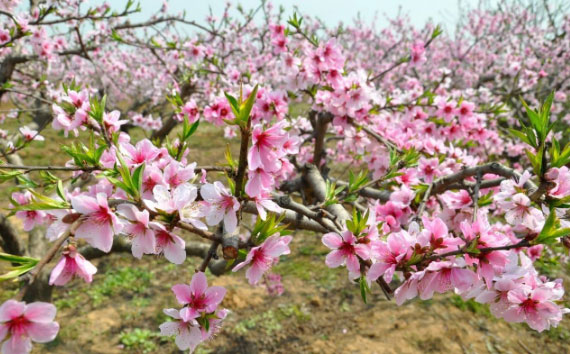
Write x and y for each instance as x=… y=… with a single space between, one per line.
x=112 y=122
x=258 y=181
x=466 y=109
x=143 y=152
x=99 y=223
x=171 y=245
x=20 y=324
x=409 y=289
x=346 y=250
x=30 y=134
x=220 y=204
x=428 y=168
x=152 y=177
x=264 y=256
x=393 y=214
x=138 y=230
x=446 y=109
x=436 y=236
x=267 y=148
x=273 y=284
x=417 y=55
x=444 y=276
x=263 y=202
x=188 y=331
x=197 y=297
x=176 y=174
x=457 y=200
x=190 y=109
x=394 y=252
x=561 y=177
x=535 y=307
x=185 y=328
x=200 y=304
x=4 y=36
x=520 y=211
x=31 y=218
x=71 y=264
x=497 y=297
x=181 y=199
x=534 y=252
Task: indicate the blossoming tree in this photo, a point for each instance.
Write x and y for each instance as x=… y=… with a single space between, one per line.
x=455 y=145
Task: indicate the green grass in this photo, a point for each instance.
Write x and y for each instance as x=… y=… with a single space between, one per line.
x=140 y=340
x=124 y=280
x=471 y=305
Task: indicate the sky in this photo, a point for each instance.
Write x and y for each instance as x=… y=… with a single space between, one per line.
x=332 y=12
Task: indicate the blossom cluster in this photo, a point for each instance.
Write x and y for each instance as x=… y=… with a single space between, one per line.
x=200 y=318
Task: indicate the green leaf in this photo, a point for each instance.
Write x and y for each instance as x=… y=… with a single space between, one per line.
x=9 y=175
x=521 y=136
x=60 y=190
x=563 y=159
x=40 y=202
x=233 y=104
x=247 y=106
x=192 y=130
x=138 y=178
x=363 y=288
x=6 y=257
x=25 y=264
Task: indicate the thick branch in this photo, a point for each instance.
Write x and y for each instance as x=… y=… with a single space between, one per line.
x=294 y=220
x=320 y=123
x=9 y=238
x=444 y=183
x=314 y=180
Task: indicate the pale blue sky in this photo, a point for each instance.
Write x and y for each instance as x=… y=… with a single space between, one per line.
x=331 y=11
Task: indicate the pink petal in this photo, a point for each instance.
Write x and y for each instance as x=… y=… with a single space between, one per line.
x=189 y=339
x=17 y=345
x=209 y=193
x=174 y=313
x=199 y=284
x=11 y=309
x=97 y=235
x=84 y=204
x=169 y=328
x=376 y=270
x=43 y=332
x=214 y=296
x=230 y=221
x=3 y=331
x=363 y=251
x=352 y=264
x=57 y=277
x=254 y=273
x=514 y=314
x=334 y=259
x=143 y=244
x=332 y=240
x=40 y=312
x=174 y=253
x=86 y=268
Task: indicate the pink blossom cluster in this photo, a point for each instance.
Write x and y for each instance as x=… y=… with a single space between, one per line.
x=146 y=122
x=200 y=318
x=261 y=258
x=268 y=163
x=477 y=264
